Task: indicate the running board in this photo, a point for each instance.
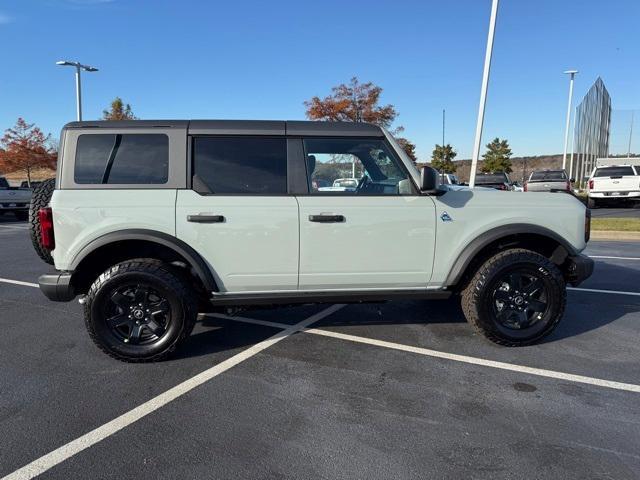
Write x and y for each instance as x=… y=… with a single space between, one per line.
x=363 y=296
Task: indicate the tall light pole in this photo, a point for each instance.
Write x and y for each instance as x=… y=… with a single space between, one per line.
x=572 y=74
x=483 y=93
x=78 y=67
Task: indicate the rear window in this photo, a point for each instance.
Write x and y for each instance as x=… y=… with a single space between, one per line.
x=122 y=159
x=557 y=175
x=492 y=178
x=614 y=172
x=3 y=183
x=245 y=165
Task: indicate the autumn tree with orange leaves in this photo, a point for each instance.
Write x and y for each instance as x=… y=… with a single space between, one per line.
x=25 y=148
x=357 y=102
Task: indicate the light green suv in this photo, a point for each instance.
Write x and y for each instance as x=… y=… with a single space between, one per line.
x=151 y=222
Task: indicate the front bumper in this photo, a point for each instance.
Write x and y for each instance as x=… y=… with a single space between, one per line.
x=578 y=269
x=57 y=286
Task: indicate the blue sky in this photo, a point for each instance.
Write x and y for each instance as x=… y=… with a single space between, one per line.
x=241 y=59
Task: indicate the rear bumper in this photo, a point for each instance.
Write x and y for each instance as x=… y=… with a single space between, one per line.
x=578 y=269
x=620 y=195
x=57 y=286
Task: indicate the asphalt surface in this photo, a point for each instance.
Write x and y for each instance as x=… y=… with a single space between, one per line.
x=317 y=406
x=632 y=211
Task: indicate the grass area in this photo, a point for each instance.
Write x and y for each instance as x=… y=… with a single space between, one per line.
x=617 y=224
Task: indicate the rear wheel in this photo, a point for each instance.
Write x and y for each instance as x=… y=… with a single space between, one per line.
x=515 y=298
x=140 y=310
x=39 y=199
x=592 y=203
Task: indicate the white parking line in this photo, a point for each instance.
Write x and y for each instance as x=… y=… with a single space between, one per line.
x=15 y=227
x=44 y=463
x=597 y=290
x=18 y=282
x=540 y=372
x=605 y=257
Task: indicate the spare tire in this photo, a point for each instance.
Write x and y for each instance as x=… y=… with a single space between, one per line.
x=40 y=199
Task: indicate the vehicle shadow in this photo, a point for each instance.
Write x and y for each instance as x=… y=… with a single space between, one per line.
x=10 y=218
x=585 y=312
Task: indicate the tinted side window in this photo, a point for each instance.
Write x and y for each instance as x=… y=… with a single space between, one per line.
x=122 y=159
x=249 y=165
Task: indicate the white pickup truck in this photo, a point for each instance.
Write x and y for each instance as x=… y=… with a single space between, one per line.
x=614 y=184
x=14 y=200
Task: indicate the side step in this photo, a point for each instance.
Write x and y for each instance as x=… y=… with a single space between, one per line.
x=364 y=296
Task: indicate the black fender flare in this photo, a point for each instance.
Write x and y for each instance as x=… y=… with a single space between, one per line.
x=484 y=239
x=195 y=260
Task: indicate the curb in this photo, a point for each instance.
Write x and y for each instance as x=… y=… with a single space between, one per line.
x=614 y=235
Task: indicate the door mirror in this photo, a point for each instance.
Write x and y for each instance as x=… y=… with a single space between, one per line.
x=428 y=180
x=573 y=180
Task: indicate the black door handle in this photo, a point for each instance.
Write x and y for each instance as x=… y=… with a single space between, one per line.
x=205 y=218
x=327 y=218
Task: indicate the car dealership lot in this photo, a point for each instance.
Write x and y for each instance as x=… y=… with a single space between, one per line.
x=365 y=394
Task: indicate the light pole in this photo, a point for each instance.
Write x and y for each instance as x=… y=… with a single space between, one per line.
x=572 y=74
x=483 y=93
x=78 y=67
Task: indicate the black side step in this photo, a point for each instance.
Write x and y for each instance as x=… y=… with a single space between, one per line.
x=365 y=296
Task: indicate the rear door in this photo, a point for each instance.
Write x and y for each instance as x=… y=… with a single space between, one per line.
x=238 y=214
x=378 y=235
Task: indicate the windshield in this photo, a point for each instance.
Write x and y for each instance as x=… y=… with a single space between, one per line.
x=405 y=158
x=492 y=178
x=614 y=172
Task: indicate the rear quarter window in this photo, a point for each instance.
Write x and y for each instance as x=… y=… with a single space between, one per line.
x=614 y=172
x=122 y=159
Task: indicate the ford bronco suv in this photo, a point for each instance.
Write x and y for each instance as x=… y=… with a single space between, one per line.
x=151 y=222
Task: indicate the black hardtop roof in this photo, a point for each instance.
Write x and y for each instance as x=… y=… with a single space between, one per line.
x=243 y=127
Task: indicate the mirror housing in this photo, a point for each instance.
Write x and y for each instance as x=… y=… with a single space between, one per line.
x=428 y=180
x=572 y=180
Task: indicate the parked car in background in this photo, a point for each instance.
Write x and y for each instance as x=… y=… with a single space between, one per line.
x=14 y=200
x=448 y=179
x=498 y=180
x=341 y=185
x=25 y=184
x=547 y=181
x=517 y=187
x=613 y=185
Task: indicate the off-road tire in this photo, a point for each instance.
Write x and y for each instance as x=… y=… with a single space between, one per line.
x=159 y=276
x=478 y=300
x=592 y=203
x=39 y=199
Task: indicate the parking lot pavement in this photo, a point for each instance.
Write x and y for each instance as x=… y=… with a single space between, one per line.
x=313 y=406
x=632 y=211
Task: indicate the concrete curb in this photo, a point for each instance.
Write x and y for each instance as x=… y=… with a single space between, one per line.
x=614 y=235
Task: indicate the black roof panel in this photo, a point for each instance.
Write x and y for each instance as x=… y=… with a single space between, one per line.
x=245 y=127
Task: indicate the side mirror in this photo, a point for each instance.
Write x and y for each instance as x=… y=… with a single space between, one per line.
x=572 y=180
x=428 y=180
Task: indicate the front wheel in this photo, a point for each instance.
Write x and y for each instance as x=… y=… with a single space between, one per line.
x=515 y=298
x=140 y=310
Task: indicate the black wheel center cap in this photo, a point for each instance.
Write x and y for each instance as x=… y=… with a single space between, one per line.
x=138 y=314
x=518 y=300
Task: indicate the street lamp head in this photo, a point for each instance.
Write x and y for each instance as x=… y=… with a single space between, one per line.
x=86 y=68
x=571 y=72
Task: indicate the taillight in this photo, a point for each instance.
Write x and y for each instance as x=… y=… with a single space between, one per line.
x=587 y=225
x=568 y=186
x=503 y=187
x=47 y=240
x=525 y=187
x=590 y=184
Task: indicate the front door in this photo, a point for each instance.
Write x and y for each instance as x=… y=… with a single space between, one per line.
x=238 y=215
x=363 y=225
